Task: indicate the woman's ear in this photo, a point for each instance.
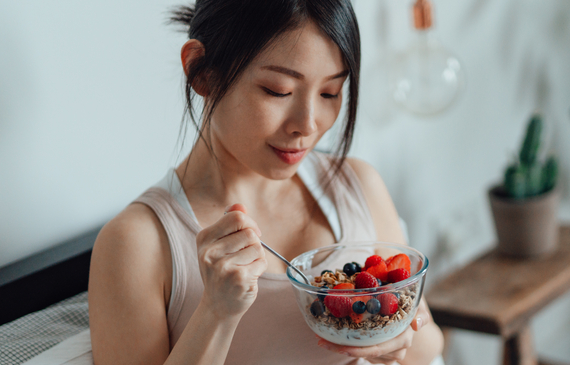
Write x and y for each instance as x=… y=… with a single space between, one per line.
x=192 y=50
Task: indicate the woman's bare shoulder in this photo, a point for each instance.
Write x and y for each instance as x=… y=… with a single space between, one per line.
x=129 y=289
x=134 y=231
x=384 y=214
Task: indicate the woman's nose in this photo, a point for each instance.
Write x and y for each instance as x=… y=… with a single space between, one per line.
x=303 y=121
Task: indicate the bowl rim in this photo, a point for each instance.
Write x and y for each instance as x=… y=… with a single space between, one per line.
x=389 y=287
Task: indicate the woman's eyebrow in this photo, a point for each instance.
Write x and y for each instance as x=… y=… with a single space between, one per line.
x=298 y=75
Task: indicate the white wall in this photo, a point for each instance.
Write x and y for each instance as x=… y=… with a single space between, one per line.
x=516 y=54
x=91 y=101
x=90 y=107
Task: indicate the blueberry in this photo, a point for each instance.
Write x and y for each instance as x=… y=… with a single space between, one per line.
x=397 y=295
x=349 y=269
x=325 y=271
x=321 y=297
x=317 y=308
x=379 y=282
x=359 y=307
x=373 y=306
x=358 y=268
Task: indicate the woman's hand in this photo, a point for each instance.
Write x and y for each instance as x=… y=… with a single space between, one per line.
x=389 y=352
x=231 y=259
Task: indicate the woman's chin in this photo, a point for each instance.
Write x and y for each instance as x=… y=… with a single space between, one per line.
x=282 y=174
x=279 y=172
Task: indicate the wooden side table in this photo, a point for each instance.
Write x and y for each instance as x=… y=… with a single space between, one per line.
x=500 y=295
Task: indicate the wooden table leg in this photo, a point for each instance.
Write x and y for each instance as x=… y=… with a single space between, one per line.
x=519 y=349
x=446 y=341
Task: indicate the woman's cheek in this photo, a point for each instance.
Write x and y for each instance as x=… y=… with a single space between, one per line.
x=269 y=114
x=331 y=112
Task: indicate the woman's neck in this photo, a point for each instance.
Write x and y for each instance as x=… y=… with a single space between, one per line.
x=217 y=177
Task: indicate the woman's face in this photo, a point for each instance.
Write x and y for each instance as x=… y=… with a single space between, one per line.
x=284 y=102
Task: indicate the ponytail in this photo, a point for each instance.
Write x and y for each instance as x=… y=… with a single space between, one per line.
x=183 y=15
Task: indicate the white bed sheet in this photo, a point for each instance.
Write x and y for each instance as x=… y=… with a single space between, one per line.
x=73 y=351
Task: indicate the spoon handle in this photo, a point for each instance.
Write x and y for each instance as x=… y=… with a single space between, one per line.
x=286 y=261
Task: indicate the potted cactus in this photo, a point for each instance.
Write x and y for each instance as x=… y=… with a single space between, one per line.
x=525 y=205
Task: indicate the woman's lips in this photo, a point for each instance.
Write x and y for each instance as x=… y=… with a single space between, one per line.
x=289 y=156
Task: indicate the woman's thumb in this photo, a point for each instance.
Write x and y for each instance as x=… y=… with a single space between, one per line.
x=418 y=322
x=234 y=207
x=241 y=208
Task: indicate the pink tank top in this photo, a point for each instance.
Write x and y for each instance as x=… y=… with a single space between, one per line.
x=272 y=331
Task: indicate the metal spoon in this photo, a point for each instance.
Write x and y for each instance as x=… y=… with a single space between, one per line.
x=287 y=262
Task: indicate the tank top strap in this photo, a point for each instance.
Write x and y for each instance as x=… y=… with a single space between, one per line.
x=348 y=197
x=181 y=230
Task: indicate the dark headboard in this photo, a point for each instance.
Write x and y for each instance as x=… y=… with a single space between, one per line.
x=45 y=278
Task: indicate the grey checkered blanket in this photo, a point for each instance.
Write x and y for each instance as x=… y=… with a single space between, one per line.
x=26 y=337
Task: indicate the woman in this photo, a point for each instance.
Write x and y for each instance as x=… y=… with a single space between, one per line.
x=180 y=276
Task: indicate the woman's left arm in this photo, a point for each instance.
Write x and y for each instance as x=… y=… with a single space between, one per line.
x=427 y=339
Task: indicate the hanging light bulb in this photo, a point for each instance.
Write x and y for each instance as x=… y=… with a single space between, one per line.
x=428 y=78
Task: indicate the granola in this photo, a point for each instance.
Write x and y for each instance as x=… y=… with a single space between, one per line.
x=329 y=280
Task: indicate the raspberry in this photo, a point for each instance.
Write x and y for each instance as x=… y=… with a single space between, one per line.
x=356 y=318
x=372 y=261
x=399 y=261
x=338 y=306
x=365 y=280
x=388 y=304
x=379 y=271
x=398 y=275
x=344 y=286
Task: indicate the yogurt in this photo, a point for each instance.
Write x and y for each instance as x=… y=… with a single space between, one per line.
x=362 y=336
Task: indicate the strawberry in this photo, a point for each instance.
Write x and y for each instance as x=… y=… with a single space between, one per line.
x=399 y=261
x=344 y=286
x=372 y=261
x=388 y=304
x=398 y=275
x=365 y=280
x=338 y=306
x=379 y=271
x=357 y=317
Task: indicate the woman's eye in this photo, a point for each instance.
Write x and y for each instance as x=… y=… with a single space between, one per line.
x=329 y=96
x=273 y=93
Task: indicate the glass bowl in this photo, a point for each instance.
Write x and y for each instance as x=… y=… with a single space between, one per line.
x=346 y=327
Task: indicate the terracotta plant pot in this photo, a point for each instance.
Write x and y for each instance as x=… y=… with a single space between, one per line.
x=527 y=227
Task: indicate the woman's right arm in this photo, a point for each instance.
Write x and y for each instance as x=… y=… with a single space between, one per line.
x=128 y=296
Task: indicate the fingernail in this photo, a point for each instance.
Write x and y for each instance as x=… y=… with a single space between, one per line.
x=226 y=209
x=325 y=346
x=419 y=323
x=258 y=233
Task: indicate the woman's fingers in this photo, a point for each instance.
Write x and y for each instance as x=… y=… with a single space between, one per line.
x=236 y=207
x=422 y=316
x=247 y=255
x=258 y=267
x=231 y=260
x=230 y=223
x=234 y=243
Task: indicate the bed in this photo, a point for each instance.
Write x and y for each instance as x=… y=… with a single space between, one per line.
x=43 y=306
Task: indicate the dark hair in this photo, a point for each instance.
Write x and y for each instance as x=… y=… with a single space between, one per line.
x=234 y=32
